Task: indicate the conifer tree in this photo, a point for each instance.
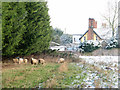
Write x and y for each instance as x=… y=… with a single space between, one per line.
x=26 y=28
x=12 y=26
x=37 y=34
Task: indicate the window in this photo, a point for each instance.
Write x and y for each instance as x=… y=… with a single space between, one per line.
x=74 y=40
x=96 y=38
x=84 y=38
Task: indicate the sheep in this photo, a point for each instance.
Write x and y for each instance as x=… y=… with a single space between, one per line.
x=34 y=61
x=21 y=60
x=25 y=61
x=15 y=60
x=42 y=61
x=61 y=60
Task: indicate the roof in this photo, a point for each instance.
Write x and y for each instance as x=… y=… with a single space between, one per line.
x=97 y=34
x=105 y=33
x=77 y=34
x=91 y=18
x=83 y=34
x=87 y=31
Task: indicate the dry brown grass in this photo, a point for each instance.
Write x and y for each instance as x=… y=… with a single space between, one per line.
x=63 y=67
x=19 y=77
x=50 y=83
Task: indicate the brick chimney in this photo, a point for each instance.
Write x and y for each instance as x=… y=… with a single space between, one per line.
x=92 y=24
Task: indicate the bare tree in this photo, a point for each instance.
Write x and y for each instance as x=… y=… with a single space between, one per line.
x=111 y=16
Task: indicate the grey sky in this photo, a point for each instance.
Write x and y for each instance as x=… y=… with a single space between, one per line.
x=73 y=15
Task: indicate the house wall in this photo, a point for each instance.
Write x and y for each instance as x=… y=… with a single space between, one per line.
x=76 y=39
x=95 y=37
x=90 y=34
x=82 y=39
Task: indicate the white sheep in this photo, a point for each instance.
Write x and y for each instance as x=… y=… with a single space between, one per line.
x=15 y=60
x=61 y=60
x=34 y=61
x=42 y=61
x=25 y=61
x=21 y=60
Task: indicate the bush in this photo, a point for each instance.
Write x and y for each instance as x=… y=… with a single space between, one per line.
x=89 y=46
x=113 y=43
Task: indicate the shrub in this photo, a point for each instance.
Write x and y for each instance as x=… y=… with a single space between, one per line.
x=89 y=46
x=112 y=43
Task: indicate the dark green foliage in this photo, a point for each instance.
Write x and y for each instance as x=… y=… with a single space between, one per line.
x=0 y=26
x=113 y=43
x=89 y=46
x=26 y=28
x=37 y=35
x=12 y=27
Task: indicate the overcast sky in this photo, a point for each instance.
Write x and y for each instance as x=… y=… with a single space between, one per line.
x=73 y=15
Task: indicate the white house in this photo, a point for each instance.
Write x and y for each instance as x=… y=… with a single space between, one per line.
x=75 y=38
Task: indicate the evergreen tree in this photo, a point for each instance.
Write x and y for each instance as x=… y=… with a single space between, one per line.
x=26 y=28
x=12 y=26
x=0 y=25
x=37 y=35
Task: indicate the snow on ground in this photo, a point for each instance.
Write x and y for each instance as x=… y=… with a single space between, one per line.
x=108 y=60
x=105 y=71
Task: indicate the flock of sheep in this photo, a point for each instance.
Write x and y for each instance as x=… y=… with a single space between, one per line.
x=34 y=61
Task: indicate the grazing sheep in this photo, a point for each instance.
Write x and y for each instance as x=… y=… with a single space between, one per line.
x=25 y=61
x=34 y=61
x=61 y=60
x=15 y=60
x=21 y=60
x=42 y=61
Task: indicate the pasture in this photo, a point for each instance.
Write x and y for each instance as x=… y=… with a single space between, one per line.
x=50 y=75
x=86 y=72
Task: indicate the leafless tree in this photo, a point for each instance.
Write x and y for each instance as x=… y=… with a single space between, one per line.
x=111 y=16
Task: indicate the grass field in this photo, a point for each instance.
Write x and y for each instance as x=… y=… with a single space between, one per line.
x=50 y=75
x=87 y=72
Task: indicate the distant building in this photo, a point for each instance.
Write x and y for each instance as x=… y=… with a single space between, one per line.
x=90 y=34
x=75 y=38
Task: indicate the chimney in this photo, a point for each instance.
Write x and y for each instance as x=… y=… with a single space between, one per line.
x=92 y=24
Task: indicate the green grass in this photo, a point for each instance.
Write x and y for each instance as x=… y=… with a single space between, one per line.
x=29 y=76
